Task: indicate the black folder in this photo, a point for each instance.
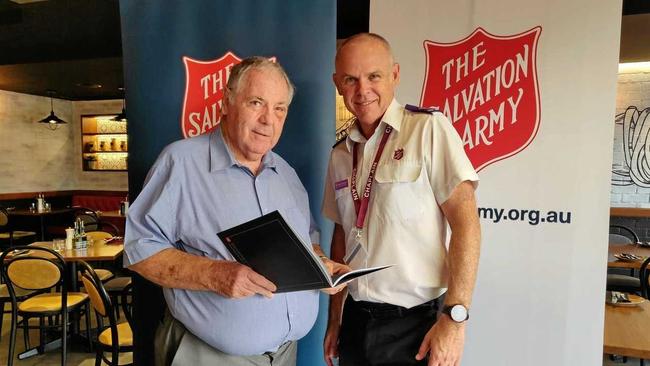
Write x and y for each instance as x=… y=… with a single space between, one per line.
x=271 y=248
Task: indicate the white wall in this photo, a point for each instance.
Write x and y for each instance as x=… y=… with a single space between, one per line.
x=34 y=158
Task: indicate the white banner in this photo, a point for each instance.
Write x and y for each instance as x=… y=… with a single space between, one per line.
x=530 y=86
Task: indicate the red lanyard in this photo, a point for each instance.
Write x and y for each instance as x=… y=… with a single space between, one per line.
x=361 y=205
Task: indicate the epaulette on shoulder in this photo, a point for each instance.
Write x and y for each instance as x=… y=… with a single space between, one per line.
x=416 y=109
x=341 y=137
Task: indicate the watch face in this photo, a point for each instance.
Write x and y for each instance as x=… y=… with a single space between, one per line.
x=458 y=313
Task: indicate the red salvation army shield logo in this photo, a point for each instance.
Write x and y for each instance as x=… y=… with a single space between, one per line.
x=205 y=82
x=487 y=86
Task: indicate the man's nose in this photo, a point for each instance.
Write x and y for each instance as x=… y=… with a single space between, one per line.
x=363 y=86
x=267 y=115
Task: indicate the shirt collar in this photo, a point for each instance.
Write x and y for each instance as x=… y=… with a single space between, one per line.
x=392 y=117
x=221 y=157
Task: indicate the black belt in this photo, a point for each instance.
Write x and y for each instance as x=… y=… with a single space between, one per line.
x=383 y=310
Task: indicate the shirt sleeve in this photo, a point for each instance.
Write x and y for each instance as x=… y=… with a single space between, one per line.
x=450 y=165
x=150 y=225
x=314 y=231
x=329 y=208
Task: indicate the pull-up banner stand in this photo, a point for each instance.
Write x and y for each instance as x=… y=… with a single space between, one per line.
x=177 y=57
x=530 y=87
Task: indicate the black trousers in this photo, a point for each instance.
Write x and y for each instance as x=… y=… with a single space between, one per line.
x=375 y=334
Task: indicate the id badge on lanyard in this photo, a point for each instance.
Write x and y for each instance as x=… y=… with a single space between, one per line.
x=356 y=245
x=356 y=255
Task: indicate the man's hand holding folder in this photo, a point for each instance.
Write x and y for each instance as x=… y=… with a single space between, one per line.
x=333 y=268
x=235 y=280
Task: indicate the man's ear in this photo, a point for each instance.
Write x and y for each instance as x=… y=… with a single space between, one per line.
x=336 y=84
x=224 y=102
x=395 y=73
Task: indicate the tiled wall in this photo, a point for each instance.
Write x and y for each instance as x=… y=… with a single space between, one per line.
x=633 y=90
x=34 y=158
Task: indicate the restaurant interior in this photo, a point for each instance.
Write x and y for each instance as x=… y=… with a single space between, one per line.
x=64 y=186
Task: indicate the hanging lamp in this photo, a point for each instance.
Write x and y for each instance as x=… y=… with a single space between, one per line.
x=53 y=121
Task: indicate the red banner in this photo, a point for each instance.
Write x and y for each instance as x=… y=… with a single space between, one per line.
x=204 y=90
x=487 y=86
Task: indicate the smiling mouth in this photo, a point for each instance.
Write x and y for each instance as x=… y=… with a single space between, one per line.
x=366 y=103
x=261 y=134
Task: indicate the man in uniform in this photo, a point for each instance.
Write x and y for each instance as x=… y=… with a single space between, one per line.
x=222 y=312
x=393 y=184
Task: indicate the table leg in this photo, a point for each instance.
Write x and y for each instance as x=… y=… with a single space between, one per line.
x=42 y=222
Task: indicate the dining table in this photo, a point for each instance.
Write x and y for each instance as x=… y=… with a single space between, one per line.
x=613 y=262
x=41 y=216
x=626 y=330
x=100 y=250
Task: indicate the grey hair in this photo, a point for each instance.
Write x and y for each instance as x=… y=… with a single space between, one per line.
x=239 y=73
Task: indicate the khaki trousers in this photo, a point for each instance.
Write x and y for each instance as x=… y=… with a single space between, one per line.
x=176 y=346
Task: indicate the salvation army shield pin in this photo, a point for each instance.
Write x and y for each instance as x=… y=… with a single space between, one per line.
x=398 y=154
x=487 y=86
x=205 y=82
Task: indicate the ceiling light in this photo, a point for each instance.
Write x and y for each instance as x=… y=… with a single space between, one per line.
x=52 y=120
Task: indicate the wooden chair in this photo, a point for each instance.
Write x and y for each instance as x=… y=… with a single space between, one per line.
x=99 y=235
x=5 y=298
x=619 y=234
x=40 y=269
x=92 y=221
x=617 y=280
x=8 y=235
x=644 y=278
x=114 y=338
x=103 y=274
x=113 y=285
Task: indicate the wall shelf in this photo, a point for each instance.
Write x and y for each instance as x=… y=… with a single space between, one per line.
x=104 y=143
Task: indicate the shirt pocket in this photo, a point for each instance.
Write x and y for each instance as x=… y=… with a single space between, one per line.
x=398 y=173
x=399 y=193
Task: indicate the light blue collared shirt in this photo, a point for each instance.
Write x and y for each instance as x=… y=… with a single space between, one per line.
x=196 y=189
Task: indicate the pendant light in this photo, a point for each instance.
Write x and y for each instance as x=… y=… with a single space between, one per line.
x=52 y=121
x=122 y=116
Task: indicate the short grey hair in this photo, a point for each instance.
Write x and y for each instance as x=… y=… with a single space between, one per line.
x=373 y=36
x=239 y=73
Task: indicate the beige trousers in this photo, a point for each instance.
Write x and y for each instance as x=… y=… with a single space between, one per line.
x=175 y=346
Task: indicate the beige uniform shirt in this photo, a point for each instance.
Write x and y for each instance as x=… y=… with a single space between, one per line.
x=422 y=162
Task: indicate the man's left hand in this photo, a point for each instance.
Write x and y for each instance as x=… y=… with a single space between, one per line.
x=444 y=343
x=334 y=268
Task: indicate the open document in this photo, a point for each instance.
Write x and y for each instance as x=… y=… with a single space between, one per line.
x=271 y=248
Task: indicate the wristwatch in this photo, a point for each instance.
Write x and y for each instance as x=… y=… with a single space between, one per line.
x=457 y=312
